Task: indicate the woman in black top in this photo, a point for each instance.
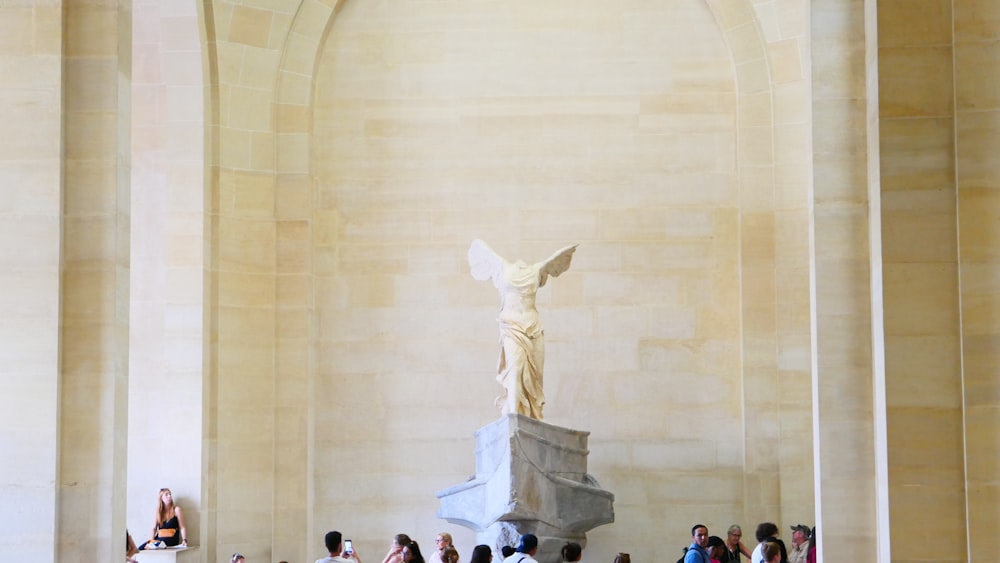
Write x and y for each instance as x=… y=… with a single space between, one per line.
x=168 y=527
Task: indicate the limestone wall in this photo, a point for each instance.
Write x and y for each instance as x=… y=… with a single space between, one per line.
x=977 y=115
x=920 y=257
x=166 y=372
x=30 y=219
x=748 y=208
x=94 y=321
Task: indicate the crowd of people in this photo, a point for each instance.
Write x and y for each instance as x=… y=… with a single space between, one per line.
x=168 y=531
x=768 y=549
x=405 y=550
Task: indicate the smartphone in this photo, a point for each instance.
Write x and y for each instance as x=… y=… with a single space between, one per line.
x=348 y=546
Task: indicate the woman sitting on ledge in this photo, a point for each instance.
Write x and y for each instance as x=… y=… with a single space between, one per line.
x=168 y=529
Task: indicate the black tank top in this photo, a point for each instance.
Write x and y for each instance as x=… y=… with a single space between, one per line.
x=171 y=523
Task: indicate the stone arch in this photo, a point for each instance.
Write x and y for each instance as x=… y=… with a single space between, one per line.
x=765 y=210
x=774 y=181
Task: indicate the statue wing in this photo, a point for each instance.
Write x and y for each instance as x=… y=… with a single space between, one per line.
x=556 y=264
x=484 y=263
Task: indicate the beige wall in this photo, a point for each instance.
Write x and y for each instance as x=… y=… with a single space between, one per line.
x=539 y=133
x=977 y=114
x=851 y=487
x=938 y=216
x=166 y=396
x=30 y=220
x=95 y=280
x=920 y=257
x=741 y=228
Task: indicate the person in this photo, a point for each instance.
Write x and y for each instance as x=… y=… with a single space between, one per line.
x=395 y=554
x=800 y=544
x=696 y=552
x=130 y=548
x=734 y=545
x=572 y=552
x=238 y=558
x=334 y=542
x=813 y=543
x=623 y=557
x=522 y=352
x=716 y=547
x=449 y=555
x=168 y=524
x=526 y=550
x=771 y=552
x=767 y=532
x=506 y=551
x=411 y=553
x=441 y=543
x=481 y=554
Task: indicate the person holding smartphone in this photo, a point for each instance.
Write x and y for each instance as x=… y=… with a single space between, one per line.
x=341 y=550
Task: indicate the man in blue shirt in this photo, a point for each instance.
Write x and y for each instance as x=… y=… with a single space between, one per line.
x=699 y=540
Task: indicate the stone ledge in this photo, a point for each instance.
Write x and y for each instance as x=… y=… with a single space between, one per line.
x=168 y=555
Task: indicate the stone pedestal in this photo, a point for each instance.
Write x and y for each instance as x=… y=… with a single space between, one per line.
x=531 y=477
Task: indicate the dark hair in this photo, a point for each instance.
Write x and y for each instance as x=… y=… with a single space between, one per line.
x=571 y=551
x=449 y=555
x=481 y=554
x=402 y=539
x=813 y=541
x=332 y=541
x=414 y=548
x=507 y=551
x=528 y=542
x=695 y=528
x=766 y=530
x=716 y=541
x=623 y=558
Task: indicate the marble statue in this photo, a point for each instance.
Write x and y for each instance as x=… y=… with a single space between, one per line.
x=522 y=345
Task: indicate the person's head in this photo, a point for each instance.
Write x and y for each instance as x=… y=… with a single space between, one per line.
x=481 y=554
x=442 y=541
x=766 y=530
x=238 y=558
x=529 y=544
x=800 y=533
x=166 y=496
x=399 y=540
x=699 y=535
x=333 y=540
x=715 y=547
x=449 y=555
x=734 y=535
x=572 y=551
x=771 y=552
x=623 y=558
x=507 y=551
x=411 y=553
x=164 y=505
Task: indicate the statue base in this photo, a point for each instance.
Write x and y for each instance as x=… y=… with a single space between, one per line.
x=531 y=477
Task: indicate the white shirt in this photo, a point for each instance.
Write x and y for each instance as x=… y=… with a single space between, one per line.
x=755 y=557
x=517 y=557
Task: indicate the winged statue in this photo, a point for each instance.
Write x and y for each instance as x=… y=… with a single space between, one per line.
x=522 y=341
